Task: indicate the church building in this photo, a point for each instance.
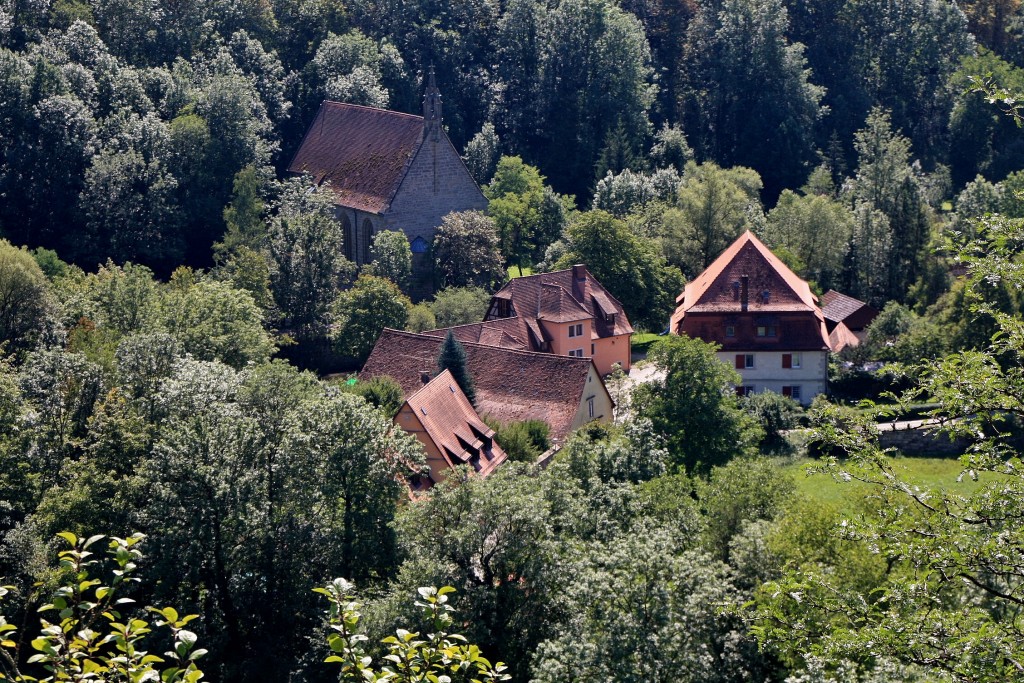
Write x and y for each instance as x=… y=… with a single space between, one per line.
x=388 y=171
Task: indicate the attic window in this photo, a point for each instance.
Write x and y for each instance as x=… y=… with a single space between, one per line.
x=609 y=317
x=418 y=246
x=766 y=296
x=735 y=290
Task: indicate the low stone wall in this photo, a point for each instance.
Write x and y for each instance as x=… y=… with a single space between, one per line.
x=922 y=441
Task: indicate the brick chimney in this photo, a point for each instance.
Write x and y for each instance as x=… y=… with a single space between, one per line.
x=580 y=283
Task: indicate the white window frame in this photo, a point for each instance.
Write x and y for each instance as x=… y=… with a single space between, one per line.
x=576 y=330
x=795 y=361
x=590 y=406
x=576 y=353
x=748 y=361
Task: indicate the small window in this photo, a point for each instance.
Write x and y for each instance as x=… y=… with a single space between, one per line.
x=730 y=330
x=745 y=391
x=418 y=246
x=590 y=406
x=792 y=392
x=766 y=330
x=576 y=330
x=592 y=347
x=748 y=360
x=577 y=353
x=609 y=317
x=796 y=360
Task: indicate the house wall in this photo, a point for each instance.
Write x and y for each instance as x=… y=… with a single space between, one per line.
x=612 y=350
x=436 y=184
x=410 y=424
x=593 y=391
x=562 y=343
x=768 y=373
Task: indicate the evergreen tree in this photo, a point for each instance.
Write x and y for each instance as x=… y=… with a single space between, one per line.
x=453 y=359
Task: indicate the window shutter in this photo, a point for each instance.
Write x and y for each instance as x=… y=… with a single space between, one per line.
x=787 y=391
x=787 y=360
x=740 y=361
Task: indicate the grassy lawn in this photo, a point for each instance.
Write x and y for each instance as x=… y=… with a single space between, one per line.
x=641 y=342
x=927 y=473
x=513 y=272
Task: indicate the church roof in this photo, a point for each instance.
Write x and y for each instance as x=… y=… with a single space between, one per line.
x=449 y=420
x=362 y=153
x=510 y=385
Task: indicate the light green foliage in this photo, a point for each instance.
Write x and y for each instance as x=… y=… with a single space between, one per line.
x=694 y=407
x=362 y=312
x=23 y=297
x=213 y=321
x=626 y=192
x=954 y=559
x=383 y=392
x=392 y=257
x=671 y=149
x=528 y=214
x=243 y=217
x=775 y=414
x=459 y=306
x=523 y=441
x=630 y=268
x=744 y=490
x=466 y=251
x=421 y=317
x=815 y=230
x=715 y=205
x=92 y=638
x=350 y=68
x=439 y=655
x=641 y=610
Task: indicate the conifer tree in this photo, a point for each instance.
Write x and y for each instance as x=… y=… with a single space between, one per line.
x=453 y=358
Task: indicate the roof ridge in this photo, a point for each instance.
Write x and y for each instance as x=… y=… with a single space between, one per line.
x=552 y=356
x=349 y=105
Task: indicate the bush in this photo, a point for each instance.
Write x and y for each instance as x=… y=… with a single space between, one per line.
x=775 y=413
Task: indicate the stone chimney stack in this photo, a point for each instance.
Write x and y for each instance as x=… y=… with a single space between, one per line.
x=580 y=283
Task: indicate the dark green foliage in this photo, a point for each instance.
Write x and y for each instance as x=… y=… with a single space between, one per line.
x=459 y=306
x=363 y=311
x=453 y=359
x=383 y=392
x=775 y=414
x=523 y=441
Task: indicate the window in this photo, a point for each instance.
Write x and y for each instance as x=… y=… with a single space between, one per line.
x=744 y=391
x=792 y=392
x=366 y=238
x=744 y=361
x=796 y=361
x=348 y=239
x=790 y=360
x=592 y=347
x=576 y=330
x=766 y=330
x=590 y=406
x=730 y=330
x=577 y=353
x=418 y=246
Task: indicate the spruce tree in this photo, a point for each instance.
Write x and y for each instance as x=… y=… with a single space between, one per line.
x=453 y=358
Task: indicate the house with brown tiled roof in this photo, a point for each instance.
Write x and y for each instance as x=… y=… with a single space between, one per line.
x=763 y=316
x=441 y=417
x=567 y=312
x=387 y=171
x=846 y=318
x=511 y=385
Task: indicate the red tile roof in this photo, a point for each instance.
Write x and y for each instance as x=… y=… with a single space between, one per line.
x=508 y=333
x=562 y=297
x=510 y=385
x=716 y=289
x=449 y=420
x=362 y=153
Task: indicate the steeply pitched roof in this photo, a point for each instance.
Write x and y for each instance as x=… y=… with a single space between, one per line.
x=837 y=307
x=508 y=333
x=449 y=420
x=362 y=153
x=842 y=337
x=562 y=297
x=510 y=385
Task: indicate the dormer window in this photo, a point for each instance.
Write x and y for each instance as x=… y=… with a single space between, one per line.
x=766 y=297
x=735 y=290
x=609 y=317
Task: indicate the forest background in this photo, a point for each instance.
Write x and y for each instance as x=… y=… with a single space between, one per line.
x=166 y=260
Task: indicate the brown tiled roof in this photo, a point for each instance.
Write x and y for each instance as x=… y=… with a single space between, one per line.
x=838 y=307
x=510 y=385
x=508 y=333
x=842 y=337
x=362 y=153
x=715 y=290
x=558 y=298
x=449 y=420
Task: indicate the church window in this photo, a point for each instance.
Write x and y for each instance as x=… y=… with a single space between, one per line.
x=367 y=236
x=348 y=238
x=419 y=245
